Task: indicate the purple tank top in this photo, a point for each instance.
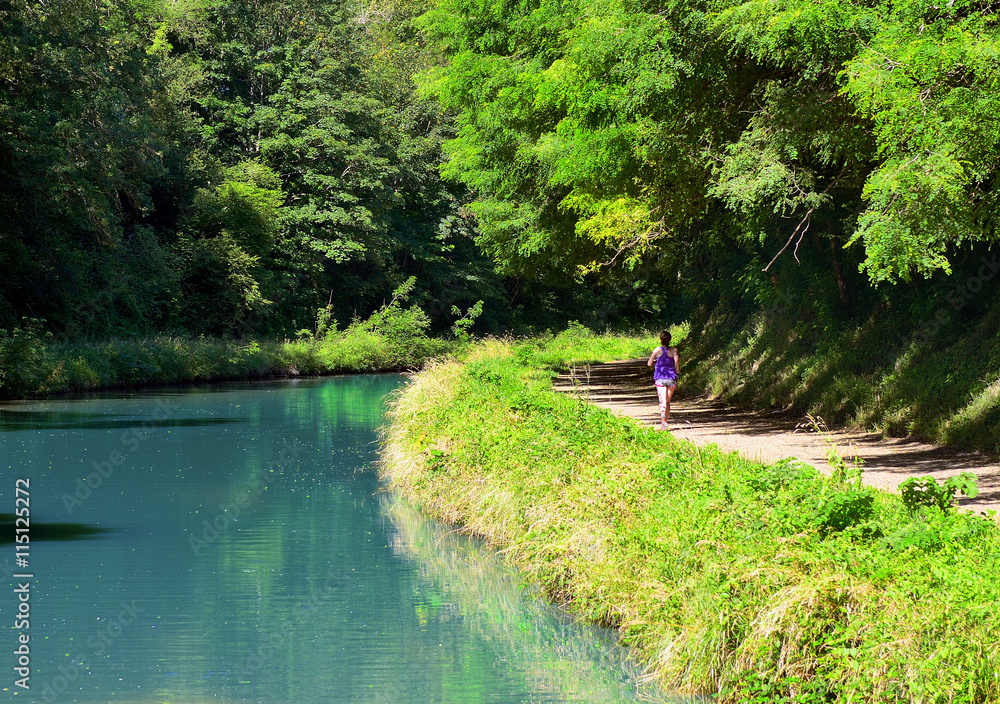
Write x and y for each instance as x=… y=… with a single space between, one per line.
x=664 y=368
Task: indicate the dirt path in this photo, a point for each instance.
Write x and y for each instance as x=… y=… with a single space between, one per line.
x=626 y=388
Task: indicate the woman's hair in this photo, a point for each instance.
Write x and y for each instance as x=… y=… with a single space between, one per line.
x=665 y=338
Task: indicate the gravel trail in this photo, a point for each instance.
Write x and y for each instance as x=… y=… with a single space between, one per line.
x=627 y=388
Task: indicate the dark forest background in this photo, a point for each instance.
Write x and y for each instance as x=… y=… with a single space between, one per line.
x=229 y=168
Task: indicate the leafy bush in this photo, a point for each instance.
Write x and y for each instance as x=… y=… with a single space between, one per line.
x=925 y=491
x=392 y=337
x=845 y=509
x=935 y=531
x=25 y=363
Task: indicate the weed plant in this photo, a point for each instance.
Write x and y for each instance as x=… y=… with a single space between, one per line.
x=761 y=583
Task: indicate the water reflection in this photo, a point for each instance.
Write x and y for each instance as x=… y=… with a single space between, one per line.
x=47 y=531
x=63 y=420
x=463 y=579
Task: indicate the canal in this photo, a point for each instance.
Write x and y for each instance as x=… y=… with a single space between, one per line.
x=234 y=544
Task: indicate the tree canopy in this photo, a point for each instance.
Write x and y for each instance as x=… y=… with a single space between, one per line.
x=221 y=167
x=613 y=131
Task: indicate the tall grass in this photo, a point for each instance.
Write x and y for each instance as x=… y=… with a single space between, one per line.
x=392 y=339
x=762 y=583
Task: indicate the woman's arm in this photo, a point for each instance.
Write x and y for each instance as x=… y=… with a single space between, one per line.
x=677 y=361
x=652 y=358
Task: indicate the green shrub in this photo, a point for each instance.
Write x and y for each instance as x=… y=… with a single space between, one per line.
x=925 y=491
x=935 y=531
x=25 y=362
x=840 y=510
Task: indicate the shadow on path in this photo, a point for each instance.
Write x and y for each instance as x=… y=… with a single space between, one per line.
x=627 y=388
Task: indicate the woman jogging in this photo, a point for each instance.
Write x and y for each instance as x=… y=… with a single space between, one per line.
x=665 y=367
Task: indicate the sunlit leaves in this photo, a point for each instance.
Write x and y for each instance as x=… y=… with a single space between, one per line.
x=928 y=81
x=918 y=208
x=883 y=116
x=554 y=126
x=624 y=224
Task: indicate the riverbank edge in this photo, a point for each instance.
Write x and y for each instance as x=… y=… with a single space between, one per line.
x=791 y=631
x=33 y=369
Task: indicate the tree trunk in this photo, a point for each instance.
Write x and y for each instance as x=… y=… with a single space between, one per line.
x=841 y=284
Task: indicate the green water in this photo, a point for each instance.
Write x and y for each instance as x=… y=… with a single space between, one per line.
x=249 y=554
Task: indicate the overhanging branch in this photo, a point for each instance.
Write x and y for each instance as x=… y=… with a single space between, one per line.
x=803 y=225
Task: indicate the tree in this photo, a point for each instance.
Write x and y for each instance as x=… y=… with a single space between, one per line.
x=611 y=131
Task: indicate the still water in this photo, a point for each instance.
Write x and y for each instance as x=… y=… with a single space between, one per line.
x=249 y=554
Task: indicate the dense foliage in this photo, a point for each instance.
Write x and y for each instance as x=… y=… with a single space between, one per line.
x=222 y=167
x=708 y=137
x=219 y=167
x=812 y=183
x=393 y=338
x=230 y=168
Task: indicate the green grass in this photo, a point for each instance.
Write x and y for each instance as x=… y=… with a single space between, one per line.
x=578 y=345
x=764 y=583
x=393 y=338
x=31 y=366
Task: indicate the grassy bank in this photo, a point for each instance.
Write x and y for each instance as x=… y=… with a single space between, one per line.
x=394 y=338
x=767 y=583
x=929 y=371
x=88 y=366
